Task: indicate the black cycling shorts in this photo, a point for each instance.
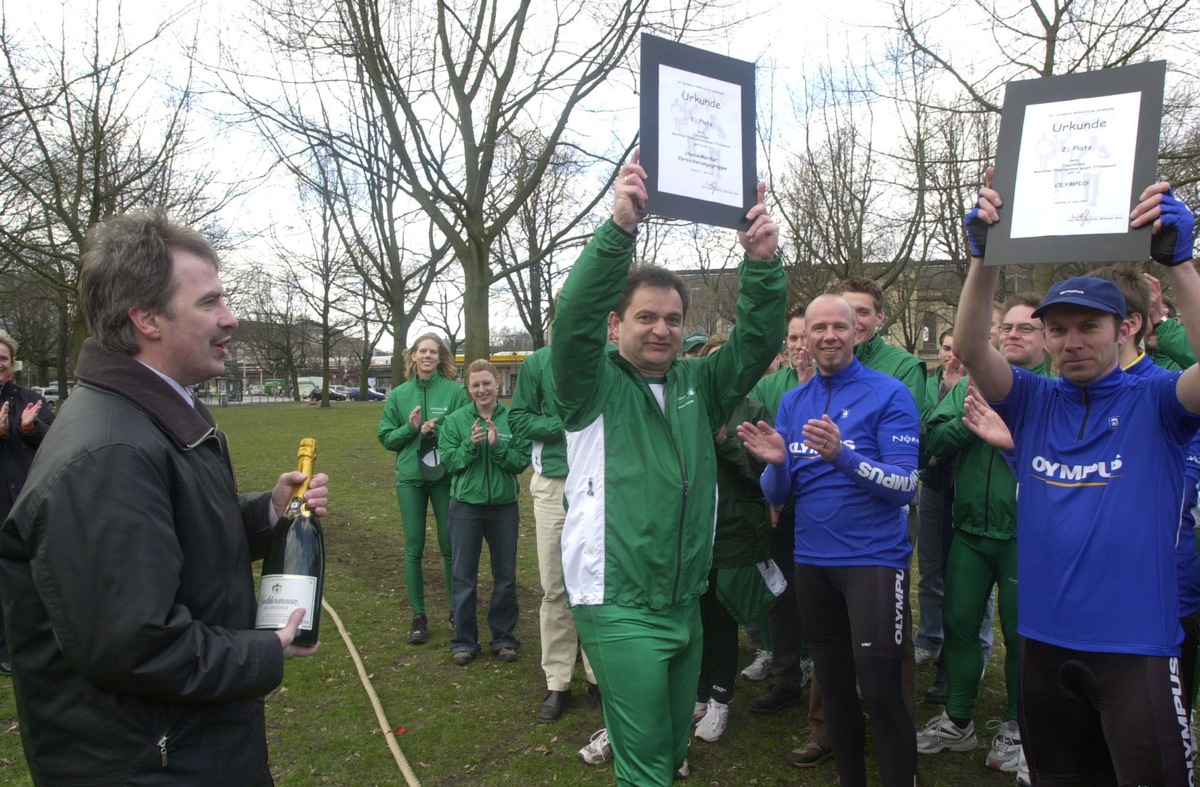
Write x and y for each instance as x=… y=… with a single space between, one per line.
x=1103 y=718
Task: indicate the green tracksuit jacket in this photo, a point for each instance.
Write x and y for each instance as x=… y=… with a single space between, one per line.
x=483 y=475
x=437 y=397
x=985 y=496
x=641 y=493
x=531 y=418
x=895 y=362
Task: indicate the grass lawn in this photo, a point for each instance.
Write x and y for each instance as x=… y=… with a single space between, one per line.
x=462 y=726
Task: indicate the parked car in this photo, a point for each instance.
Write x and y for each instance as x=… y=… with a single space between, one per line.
x=50 y=394
x=255 y=390
x=372 y=395
x=334 y=394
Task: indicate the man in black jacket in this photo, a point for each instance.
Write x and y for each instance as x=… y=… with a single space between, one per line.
x=125 y=564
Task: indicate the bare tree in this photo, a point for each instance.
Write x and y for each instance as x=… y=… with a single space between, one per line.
x=543 y=231
x=451 y=81
x=1045 y=38
x=81 y=145
x=850 y=209
x=276 y=333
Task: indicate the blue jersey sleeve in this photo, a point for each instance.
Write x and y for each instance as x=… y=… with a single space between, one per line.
x=893 y=476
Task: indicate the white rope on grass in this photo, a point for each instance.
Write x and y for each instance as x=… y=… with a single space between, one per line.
x=388 y=734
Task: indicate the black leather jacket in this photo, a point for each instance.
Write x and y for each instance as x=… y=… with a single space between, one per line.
x=125 y=567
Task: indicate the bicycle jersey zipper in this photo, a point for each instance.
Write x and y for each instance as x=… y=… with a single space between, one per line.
x=1087 y=410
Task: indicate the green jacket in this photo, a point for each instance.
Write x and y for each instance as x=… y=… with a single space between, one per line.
x=1174 y=350
x=770 y=389
x=941 y=476
x=531 y=418
x=985 y=490
x=641 y=494
x=437 y=397
x=899 y=363
x=483 y=474
x=743 y=530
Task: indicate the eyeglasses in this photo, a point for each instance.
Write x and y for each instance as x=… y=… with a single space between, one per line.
x=1024 y=328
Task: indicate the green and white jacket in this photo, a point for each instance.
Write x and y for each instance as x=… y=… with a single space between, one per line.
x=641 y=493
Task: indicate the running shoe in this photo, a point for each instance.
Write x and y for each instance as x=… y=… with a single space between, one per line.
x=418 y=634
x=1005 y=753
x=941 y=734
x=598 y=750
x=760 y=668
x=712 y=726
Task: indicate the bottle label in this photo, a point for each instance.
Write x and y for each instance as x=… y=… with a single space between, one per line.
x=280 y=594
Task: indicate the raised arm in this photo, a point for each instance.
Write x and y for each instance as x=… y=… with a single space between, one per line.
x=590 y=293
x=984 y=363
x=1173 y=228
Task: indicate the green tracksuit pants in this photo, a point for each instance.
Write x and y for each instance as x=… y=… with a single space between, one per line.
x=414 y=502
x=974 y=565
x=647 y=664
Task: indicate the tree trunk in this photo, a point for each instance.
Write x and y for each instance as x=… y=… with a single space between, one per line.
x=477 y=342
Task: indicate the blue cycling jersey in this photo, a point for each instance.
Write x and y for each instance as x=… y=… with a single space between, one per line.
x=1187 y=562
x=1101 y=474
x=851 y=511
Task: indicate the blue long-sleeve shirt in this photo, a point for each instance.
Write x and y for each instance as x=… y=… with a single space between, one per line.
x=851 y=511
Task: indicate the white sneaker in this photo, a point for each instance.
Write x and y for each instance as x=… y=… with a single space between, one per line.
x=598 y=750
x=760 y=668
x=1006 y=747
x=1022 y=770
x=806 y=672
x=712 y=726
x=925 y=655
x=698 y=711
x=940 y=734
x=683 y=771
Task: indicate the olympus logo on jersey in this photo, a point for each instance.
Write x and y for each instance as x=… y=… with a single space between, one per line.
x=1061 y=474
x=800 y=449
x=906 y=438
x=905 y=483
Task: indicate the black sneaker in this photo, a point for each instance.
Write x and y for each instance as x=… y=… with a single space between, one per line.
x=937 y=693
x=776 y=699
x=419 y=633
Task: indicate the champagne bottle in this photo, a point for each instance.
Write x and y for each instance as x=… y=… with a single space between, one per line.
x=293 y=572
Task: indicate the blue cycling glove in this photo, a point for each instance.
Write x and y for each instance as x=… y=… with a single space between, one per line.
x=977 y=230
x=1172 y=245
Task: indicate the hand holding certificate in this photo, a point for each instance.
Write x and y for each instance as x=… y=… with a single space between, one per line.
x=1072 y=149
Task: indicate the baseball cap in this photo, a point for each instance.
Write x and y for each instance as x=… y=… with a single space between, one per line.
x=1085 y=291
x=694 y=340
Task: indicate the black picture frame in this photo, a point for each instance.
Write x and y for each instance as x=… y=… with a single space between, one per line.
x=1127 y=246
x=658 y=52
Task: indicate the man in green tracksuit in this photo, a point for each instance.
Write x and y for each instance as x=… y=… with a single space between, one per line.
x=637 y=543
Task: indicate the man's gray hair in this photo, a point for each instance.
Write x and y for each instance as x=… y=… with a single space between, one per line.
x=127 y=265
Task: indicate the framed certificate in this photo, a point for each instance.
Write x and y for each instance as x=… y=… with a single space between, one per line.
x=1074 y=154
x=697 y=134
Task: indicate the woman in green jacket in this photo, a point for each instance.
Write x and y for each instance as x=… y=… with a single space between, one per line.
x=409 y=426
x=484 y=458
